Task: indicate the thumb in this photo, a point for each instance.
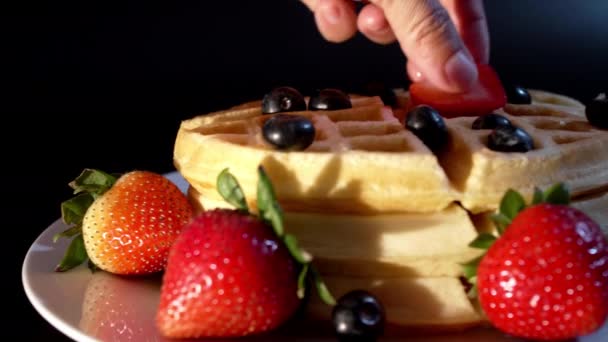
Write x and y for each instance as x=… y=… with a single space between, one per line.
x=431 y=42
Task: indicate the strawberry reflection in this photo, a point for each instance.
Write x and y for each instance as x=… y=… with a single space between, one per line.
x=120 y=309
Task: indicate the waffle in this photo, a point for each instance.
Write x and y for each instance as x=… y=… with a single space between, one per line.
x=567 y=149
x=388 y=245
x=361 y=161
x=364 y=161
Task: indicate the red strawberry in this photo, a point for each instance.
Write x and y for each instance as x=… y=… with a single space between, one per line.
x=227 y=266
x=485 y=96
x=546 y=277
x=124 y=225
x=230 y=273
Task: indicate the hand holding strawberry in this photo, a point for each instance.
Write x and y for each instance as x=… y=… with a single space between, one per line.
x=546 y=276
x=124 y=224
x=485 y=96
x=233 y=274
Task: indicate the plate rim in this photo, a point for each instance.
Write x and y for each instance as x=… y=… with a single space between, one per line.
x=57 y=322
x=61 y=325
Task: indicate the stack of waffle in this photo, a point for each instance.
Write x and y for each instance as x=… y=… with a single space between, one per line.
x=379 y=210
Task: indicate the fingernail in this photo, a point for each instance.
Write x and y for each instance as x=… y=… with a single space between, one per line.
x=376 y=24
x=331 y=13
x=461 y=71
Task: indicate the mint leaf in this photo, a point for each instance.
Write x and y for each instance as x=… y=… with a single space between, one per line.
x=292 y=245
x=75 y=255
x=302 y=281
x=557 y=194
x=267 y=203
x=483 y=241
x=68 y=232
x=73 y=210
x=271 y=211
x=274 y=215
x=511 y=204
x=322 y=289
x=231 y=191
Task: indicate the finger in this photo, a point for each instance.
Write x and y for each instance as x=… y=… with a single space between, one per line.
x=336 y=19
x=413 y=71
x=429 y=38
x=470 y=21
x=372 y=23
x=311 y=4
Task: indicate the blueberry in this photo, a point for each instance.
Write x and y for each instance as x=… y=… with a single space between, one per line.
x=289 y=132
x=426 y=123
x=510 y=139
x=283 y=99
x=358 y=316
x=518 y=95
x=597 y=111
x=329 y=99
x=490 y=121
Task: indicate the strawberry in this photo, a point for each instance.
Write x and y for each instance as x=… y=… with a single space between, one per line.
x=225 y=266
x=123 y=225
x=485 y=96
x=546 y=276
x=231 y=273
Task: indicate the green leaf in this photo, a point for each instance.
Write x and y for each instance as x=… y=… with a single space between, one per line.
x=73 y=210
x=89 y=185
x=501 y=222
x=92 y=267
x=231 y=191
x=483 y=241
x=511 y=204
x=292 y=245
x=469 y=269
x=322 y=289
x=538 y=196
x=93 y=181
x=267 y=203
x=472 y=293
x=557 y=194
x=68 y=232
x=75 y=255
x=302 y=281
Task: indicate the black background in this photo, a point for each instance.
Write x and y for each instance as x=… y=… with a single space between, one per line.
x=106 y=85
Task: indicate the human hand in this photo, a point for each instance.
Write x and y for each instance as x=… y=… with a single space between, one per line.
x=442 y=39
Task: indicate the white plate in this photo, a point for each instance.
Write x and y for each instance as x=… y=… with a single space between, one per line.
x=101 y=306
